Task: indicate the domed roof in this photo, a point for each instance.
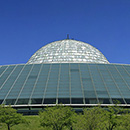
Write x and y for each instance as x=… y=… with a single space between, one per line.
x=68 y=51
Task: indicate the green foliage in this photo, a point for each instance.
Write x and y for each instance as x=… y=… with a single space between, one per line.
x=125 y=120
x=113 y=117
x=64 y=118
x=10 y=117
x=92 y=119
x=34 y=124
x=57 y=117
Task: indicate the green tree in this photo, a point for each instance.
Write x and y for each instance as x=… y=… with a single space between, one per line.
x=10 y=117
x=57 y=117
x=112 y=117
x=125 y=119
x=91 y=119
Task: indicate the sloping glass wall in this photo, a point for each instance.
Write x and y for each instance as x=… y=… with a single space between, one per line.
x=67 y=83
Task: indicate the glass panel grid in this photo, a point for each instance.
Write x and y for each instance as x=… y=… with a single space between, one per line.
x=79 y=77
x=76 y=88
x=68 y=51
x=115 y=75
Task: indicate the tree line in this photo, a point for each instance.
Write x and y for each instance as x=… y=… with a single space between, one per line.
x=62 y=117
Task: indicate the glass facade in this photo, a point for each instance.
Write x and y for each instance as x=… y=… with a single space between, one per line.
x=68 y=51
x=67 y=83
x=69 y=72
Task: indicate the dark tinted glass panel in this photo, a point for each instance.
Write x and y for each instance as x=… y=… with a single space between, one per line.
x=36 y=101
x=98 y=81
x=64 y=100
x=1 y=101
x=32 y=77
x=63 y=86
x=102 y=93
x=74 y=70
x=88 y=87
x=127 y=101
x=77 y=100
x=86 y=101
x=76 y=89
x=118 y=101
x=104 y=101
x=22 y=101
x=49 y=101
x=10 y=101
x=90 y=93
x=93 y=101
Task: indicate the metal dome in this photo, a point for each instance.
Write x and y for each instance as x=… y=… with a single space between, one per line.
x=68 y=51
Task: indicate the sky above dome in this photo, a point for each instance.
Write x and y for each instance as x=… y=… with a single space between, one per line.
x=27 y=25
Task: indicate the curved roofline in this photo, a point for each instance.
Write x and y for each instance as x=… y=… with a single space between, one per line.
x=65 y=63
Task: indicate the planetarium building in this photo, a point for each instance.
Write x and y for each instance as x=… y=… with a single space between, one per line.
x=68 y=71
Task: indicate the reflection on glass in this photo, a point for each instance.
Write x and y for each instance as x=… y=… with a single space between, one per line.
x=68 y=51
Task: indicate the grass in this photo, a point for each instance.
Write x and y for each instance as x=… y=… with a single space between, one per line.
x=34 y=124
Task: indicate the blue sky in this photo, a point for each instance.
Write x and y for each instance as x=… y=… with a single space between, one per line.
x=27 y=25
